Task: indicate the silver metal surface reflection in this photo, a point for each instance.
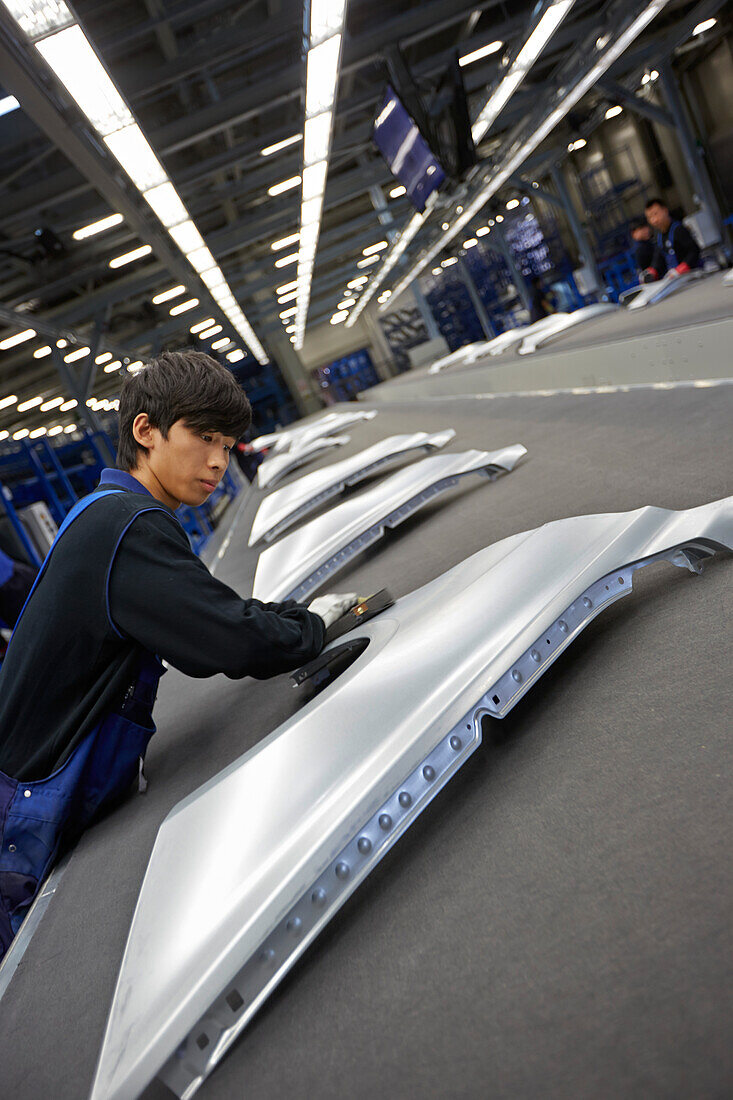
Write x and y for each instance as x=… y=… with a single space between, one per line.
x=246 y=871
x=274 y=470
x=302 y=561
x=651 y=293
x=562 y=322
x=301 y=434
x=282 y=508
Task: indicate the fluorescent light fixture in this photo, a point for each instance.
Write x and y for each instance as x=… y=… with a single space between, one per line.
x=130 y=257
x=280 y=145
x=512 y=204
x=132 y=150
x=213 y=278
x=21 y=434
x=113 y=366
x=368 y=261
x=166 y=295
x=69 y=429
x=56 y=430
x=276 y=246
x=6 y=401
x=4 y=434
x=386 y=294
x=704 y=26
x=52 y=404
x=314 y=180
x=288 y=313
x=183 y=307
x=286 y=287
x=41 y=353
x=326 y=19
x=347 y=303
x=186 y=236
x=31 y=403
x=166 y=204
x=103 y=358
x=500 y=217
x=477 y=55
x=207 y=333
x=17 y=338
x=70 y=55
x=97 y=227
x=285 y=185
x=201 y=325
x=223 y=343
x=613 y=111
x=71 y=404
x=435 y=271
x=449 y=261
x=77 y=353
x=37 y=17
x=310 y=210
x=36 y=433
x=317 y=137
x=355 y=283
x=290 y=297
x=321 y=76
x=285 y=261
x=372 y=248
x=470 y=243
x=549 y=22
x=235 y=356
x=290 y=328
x=339 y=317
x=483 y=231
x=396 y=192
x=133 y=368
x=201 y=259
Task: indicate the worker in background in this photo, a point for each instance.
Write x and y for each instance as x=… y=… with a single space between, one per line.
x=120 y=592
x=649 y=259
x=674 y=240
x=539 y=304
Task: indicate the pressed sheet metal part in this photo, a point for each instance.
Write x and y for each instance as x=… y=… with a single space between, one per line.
x=300 y=562
x=301 y=434
x=273 y=470
x=285 y=506
x=281 y=858
x=651 y=293
x=563 y=322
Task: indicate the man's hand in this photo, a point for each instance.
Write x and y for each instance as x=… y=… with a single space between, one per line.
x=332 y=606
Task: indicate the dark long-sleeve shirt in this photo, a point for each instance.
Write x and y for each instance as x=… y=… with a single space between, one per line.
x=680 y=244
x=123 y=579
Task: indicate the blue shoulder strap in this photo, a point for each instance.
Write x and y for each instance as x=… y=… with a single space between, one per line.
x=73 y=514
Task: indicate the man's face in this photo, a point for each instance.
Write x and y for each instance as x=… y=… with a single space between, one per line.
x=188 y=465
x=658 y=216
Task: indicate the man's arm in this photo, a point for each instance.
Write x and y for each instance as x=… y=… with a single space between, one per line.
x=163 y=596
x=685 y=249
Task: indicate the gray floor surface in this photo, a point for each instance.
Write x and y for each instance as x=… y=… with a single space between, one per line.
x=558 y=922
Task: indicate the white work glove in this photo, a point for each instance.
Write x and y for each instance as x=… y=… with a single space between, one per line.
x=332 y=606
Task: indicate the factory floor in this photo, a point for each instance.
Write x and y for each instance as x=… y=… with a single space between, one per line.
x=557 y=923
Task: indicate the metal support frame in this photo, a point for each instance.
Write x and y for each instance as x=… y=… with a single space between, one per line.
x=6 y=502
x=484 y=320
x=701 y=184
x=80 y=387
x=616 y=91
x=581 y=237
x=425 y=311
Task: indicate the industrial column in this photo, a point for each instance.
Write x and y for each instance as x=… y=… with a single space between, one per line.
x=581 y=237
x=476 y=301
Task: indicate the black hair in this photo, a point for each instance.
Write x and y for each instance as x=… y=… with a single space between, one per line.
x=180 y=385
x=640 y=223
x=656 y=201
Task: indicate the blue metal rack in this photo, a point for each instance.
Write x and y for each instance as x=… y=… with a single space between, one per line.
x=344 y=378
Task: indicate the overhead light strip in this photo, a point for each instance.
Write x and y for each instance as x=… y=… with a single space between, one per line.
x=536 y=41
x=520 y=152
x=324 y=22
x=57 y=36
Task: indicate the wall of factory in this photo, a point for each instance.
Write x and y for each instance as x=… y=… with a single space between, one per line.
x=709 y=91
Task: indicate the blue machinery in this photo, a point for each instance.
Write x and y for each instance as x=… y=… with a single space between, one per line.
x=58 y=476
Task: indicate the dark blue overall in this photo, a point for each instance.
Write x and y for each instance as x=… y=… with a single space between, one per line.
x=37 y=817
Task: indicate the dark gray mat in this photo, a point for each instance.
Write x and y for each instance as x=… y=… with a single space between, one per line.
x=558 y=922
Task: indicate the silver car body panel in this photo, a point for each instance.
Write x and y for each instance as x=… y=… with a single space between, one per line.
x=467 y=354
x=728 y=278
x=246 y=871
x=560 y=323
x=274 y=469
x=300 y=562
x=514 y=336
x=282 y=508
x=651 y=293
x=314 y=429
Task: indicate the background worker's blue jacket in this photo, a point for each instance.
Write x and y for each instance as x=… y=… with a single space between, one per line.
x=121 y=585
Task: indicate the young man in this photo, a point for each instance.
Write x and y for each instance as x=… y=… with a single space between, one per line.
x=674 y=240
x=120 y=591
x=650 y=262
